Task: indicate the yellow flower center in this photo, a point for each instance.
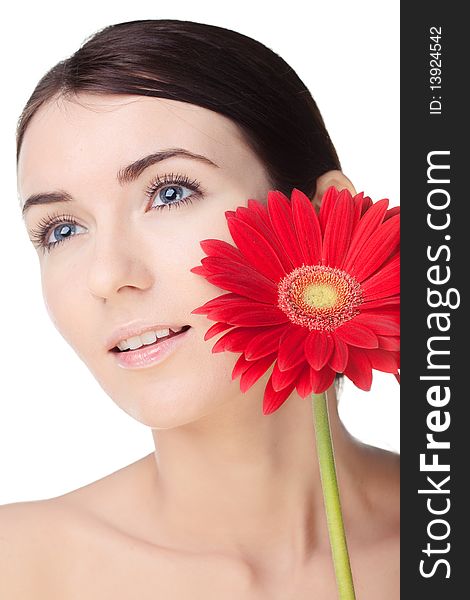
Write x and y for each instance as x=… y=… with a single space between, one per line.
x=319 y=297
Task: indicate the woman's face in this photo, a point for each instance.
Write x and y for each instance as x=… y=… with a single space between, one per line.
x=120 y=260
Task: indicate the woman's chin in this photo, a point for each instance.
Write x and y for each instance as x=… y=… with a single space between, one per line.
x=165 y=411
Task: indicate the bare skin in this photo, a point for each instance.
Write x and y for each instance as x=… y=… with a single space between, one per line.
x=230 y=504
x=104 y=540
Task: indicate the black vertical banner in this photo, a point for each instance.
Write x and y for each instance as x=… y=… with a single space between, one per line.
x=435 y=434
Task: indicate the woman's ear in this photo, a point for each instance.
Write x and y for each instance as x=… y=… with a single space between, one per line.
x=333 y=177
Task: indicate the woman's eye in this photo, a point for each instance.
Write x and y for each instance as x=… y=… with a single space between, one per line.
x=61 y=232
x=173 y=189
x=171 y=194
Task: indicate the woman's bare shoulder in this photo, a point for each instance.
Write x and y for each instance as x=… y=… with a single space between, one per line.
x=117 y=489
x=114 y=500
x=29 y=537
x=37 y=536
x=24 y=525
x=29 y=528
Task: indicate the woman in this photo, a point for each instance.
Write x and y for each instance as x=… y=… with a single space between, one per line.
x=190 y=120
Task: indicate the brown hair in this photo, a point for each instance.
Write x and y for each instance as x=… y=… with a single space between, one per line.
x=213 y=67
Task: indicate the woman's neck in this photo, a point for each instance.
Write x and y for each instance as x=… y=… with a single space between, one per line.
x=241 y=483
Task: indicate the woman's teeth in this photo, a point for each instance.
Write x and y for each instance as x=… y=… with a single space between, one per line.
x=149 y=337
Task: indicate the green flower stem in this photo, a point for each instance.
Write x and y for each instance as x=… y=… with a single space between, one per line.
x=334 y=517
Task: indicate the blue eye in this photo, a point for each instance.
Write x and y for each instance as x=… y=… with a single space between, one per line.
x=169 y=188
x=58 y=225
x=170 y=195
x=64 y=229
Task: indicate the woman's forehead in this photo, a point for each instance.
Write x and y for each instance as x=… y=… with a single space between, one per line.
x=104 y=133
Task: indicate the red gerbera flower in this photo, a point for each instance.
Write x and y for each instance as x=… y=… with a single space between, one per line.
x=315 y=295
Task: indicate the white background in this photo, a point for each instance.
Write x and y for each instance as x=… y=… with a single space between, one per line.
x=58 y=429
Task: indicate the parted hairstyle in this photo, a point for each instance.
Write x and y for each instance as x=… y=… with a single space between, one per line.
x=209 y=66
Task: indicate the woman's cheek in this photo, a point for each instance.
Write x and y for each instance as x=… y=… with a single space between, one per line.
x=66 y=306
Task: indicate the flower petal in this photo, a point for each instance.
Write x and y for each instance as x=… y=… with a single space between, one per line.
x=384 y=283
x=307 y=227
x=372 y=218
x=247 y=314
x=253 y=373
x=259 y=220
x=260 y=209
x=357 y=334
x=222 y=249
x=338 y=230
x=377 y=249
x=383 y=360
x=223 y=300
x=198 y=270
x=272 y=400
x=379 y=322
x=357 y=199
x=304 y=383
x=380 y=302
x=215 y=329
x=248 y=288
x=241 y=366
x=395 y=210
x=281 y=379
x=265 y=342
x=240 y=279
x=327 y=203
x=257 y=250
x=321 y=380
x=359 y=369
x=339 y=356
x=219 y=264
x=236 y=339
x=363 y=203
x=291 y=347
x=280 y=213
x=383 y=311
x=318 y=348
x=387 y=342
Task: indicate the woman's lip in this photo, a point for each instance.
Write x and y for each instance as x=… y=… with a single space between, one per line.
x=150 y=355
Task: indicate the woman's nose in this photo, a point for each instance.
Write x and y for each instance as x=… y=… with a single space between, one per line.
x=117 y=260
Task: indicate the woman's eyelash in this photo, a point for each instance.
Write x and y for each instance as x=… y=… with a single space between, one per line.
x=40 y=233
x=170 y=178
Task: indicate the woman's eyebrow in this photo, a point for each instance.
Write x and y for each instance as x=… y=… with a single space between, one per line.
x=124 y=176
x=133 y=171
